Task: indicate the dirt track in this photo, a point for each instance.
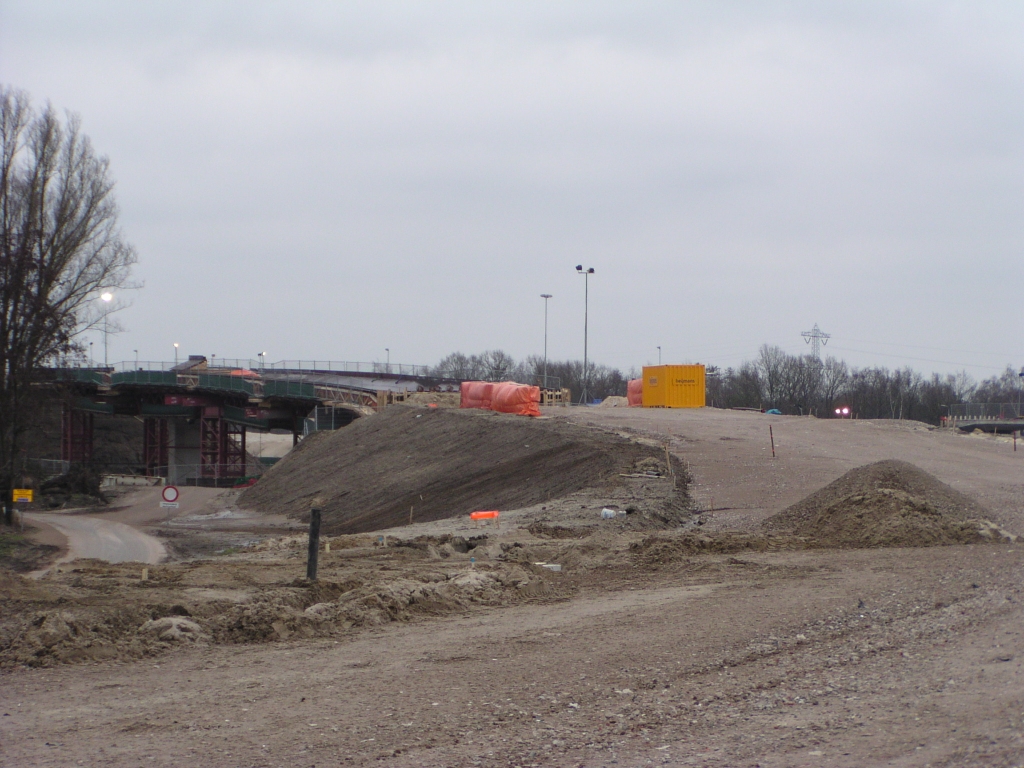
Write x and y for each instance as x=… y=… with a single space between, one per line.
x=92 y=537
x=636 y=654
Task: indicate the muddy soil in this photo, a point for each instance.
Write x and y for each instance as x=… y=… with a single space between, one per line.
x=20 y=553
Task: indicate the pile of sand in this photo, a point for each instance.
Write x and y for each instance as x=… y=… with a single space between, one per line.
x=888 y=504
x=442 y=463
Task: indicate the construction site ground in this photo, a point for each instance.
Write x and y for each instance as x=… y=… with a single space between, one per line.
x=444 y=644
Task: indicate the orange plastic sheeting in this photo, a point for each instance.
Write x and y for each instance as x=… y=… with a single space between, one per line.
x=491 y=515
x=635 y=392
x=476 y=394
x=510 y=397
x=506 y=397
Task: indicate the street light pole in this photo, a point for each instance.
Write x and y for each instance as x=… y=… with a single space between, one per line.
x=106 y=297
x=586 y=305
x=545 y=296
x=386 y=349
x=175 y=354
x=659 y=355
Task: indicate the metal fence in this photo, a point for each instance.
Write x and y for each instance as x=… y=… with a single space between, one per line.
x=181 y=474
x=326 y=417
x=47 y=468
x=216 y=474
x=985 y=411
x=256 y=366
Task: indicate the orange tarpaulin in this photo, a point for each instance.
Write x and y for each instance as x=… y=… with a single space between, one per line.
x=506 y=397
x=635 y=392
x=510 y=397
x=476 y=394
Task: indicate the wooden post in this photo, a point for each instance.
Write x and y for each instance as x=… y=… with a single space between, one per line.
x=314 y=543
x=410 y=515
x=772 y=436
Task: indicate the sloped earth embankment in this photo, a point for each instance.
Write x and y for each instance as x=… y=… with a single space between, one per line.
x=429 y=464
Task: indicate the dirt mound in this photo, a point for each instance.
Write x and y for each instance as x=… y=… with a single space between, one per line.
x=442 y=463
x=654 y=551
x=98 y=611
x=888 y=504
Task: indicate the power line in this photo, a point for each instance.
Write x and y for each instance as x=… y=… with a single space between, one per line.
x=920 y=359
x=921 y=346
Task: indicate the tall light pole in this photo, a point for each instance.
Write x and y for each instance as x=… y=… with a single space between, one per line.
x=545 y=296
x=175 y=354
x=136 y=358
x=586 y=302
x=659 y=355
x=107 y=297
x=389 y=360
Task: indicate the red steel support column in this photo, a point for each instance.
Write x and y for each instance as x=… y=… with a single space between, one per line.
x=210 y=444
x=156 y=446
x=76 y=435
x=234 y=449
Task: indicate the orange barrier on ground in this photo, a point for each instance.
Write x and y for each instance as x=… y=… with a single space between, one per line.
x=635 y=392
x=509 y=397
x=477 y=517
x=476 y=394
x=506 y=397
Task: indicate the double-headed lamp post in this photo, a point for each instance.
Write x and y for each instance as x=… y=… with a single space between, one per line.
x=545 y=296
x=586 y=302
x=107 y=297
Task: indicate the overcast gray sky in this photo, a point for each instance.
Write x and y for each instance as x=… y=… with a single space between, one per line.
x=324 y=179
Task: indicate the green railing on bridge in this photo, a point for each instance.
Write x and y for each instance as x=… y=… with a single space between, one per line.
x=82 y=375
x=228 y=383
x=277 y=388
x=152 y=378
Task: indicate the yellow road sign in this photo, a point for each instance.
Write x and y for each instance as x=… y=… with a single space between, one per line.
x=23 y=495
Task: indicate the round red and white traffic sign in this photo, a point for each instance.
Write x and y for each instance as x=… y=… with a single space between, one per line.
x=170 y=493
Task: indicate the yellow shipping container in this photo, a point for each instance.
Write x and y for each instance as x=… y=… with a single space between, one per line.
x=673 y=386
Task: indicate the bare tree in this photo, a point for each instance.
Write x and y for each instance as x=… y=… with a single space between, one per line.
x=454 y=366
x=498 y=365
x=834 y=378
x=771 y=363
x=60 y=245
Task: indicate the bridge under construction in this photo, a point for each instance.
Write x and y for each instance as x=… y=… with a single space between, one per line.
x=195 y=415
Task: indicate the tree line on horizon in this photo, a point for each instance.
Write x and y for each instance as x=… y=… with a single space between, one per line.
x=793 y=384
